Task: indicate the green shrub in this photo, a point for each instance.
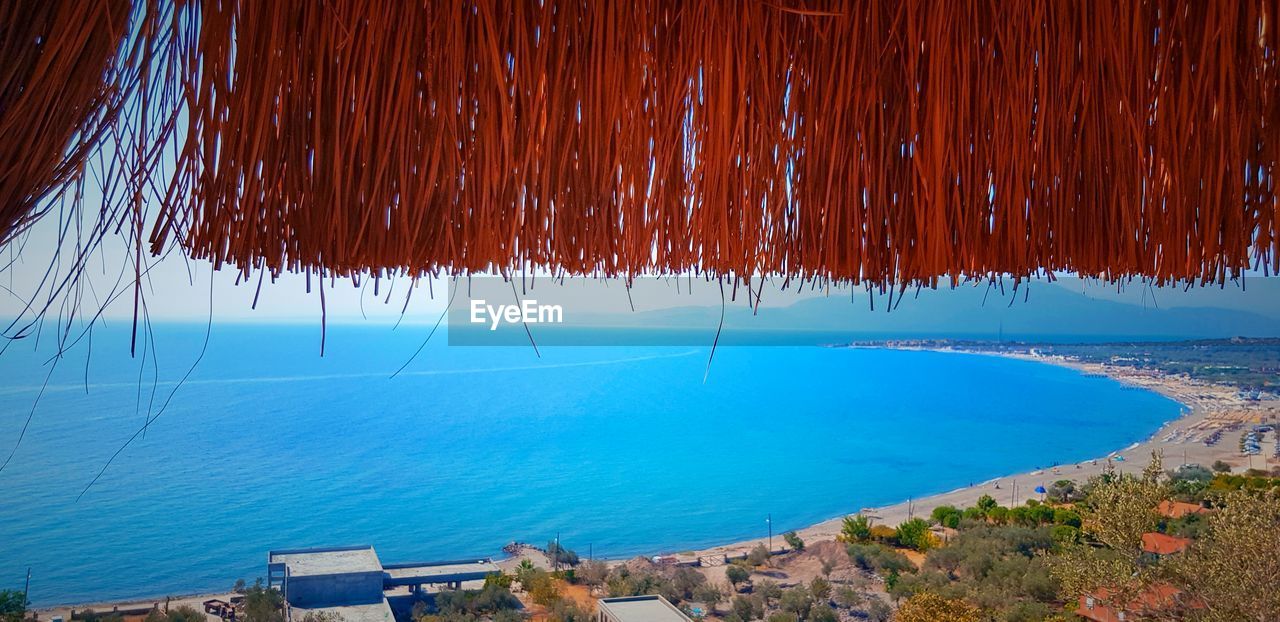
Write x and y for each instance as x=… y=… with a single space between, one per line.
x=13 y=605
x=820 y=588
x=822 y=613
x=793 y=540
x=748 y=607
x=856 y=528
x=915 y=534
x=796 y=600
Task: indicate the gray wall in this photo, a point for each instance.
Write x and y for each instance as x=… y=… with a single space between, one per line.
x=353 y=588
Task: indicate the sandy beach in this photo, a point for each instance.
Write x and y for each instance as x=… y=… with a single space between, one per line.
x=1207 y=408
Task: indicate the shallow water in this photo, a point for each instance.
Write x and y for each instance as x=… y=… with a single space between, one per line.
x=618 y=450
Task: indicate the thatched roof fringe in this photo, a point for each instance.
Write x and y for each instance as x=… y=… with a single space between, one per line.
x=870 y=142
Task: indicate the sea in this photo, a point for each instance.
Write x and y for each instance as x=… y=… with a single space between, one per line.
x=175 y=471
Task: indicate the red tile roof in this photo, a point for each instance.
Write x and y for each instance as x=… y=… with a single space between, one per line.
x=1161 y=544
x=1178 y=509
x=1159 y=597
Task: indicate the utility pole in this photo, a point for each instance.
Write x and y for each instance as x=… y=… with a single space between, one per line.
x=26 y=590
x=769 y=520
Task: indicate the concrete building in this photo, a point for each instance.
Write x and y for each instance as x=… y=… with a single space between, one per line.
x=351 y=581
x=638 y=609
x=321 y=577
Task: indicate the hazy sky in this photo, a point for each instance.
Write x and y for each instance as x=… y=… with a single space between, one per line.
x=179 y=289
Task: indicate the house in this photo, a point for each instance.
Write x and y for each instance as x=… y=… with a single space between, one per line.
x=351 y=582
x=1178 y=509
x=1157 y=598
x=1163 y=544
x=638 y=609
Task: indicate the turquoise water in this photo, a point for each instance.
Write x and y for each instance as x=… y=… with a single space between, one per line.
x=621 y=451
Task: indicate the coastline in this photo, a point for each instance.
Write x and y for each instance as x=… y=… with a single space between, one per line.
x=1206 y=407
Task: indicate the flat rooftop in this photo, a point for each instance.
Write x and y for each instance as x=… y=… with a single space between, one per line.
x=438 y=572
x=372 y=612
x=642 y=609
x=327 y=561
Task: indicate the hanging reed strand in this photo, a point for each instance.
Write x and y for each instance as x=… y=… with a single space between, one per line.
x=884 y=143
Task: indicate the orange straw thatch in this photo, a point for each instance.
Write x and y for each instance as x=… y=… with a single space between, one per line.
x=872 y=142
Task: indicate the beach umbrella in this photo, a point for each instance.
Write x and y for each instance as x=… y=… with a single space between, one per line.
x=1040 y=489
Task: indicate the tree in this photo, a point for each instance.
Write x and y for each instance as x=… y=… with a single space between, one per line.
x=1062 y=491
x=1063 y=516
x=593 y=572
x=929 y=607
x=828 y=565
x=1120 y=509
x=856 y=528
x=998 y=515
x=13 y=605
x=768 y=590
x=499 y=579
x=883 y=533
x=793 y=540
x=878 y=610
x=568 y=610
x=1221 y=467
x=561 y=555
x=686 y=580
x=736 y=574
x=848 y=597
x=709 y=594
x=748 y=607
x=985 y=503
x=943 y=513
x=822 y=613
x=915 y=534
x=263 y=604
x=821 y=589
x=1232 y=567
x=796 y=600
x=541 y=586
x=758 y=555
x=239 y=587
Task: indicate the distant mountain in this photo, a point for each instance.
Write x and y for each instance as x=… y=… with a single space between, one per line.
x=1046 y=309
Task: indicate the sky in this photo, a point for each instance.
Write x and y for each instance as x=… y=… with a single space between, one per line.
x=179 y=289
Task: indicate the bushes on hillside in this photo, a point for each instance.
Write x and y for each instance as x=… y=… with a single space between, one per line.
x=856 y=528
x=878 y=558
x=914 y=534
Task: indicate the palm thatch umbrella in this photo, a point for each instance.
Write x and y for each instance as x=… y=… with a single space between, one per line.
x=889 y=144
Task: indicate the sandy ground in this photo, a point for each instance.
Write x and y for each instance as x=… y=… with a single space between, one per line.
x=1208 y=408
x=194 y=600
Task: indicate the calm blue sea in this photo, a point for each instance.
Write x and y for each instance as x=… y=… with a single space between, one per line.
x=619 y=450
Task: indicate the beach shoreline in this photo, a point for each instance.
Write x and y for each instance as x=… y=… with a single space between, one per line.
x=1206 y=407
